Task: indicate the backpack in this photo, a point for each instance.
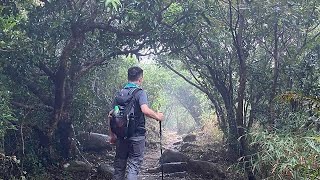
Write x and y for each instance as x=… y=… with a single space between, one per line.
x=123 y=122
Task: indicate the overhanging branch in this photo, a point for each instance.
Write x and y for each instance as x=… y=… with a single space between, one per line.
x=100 y=61
x=47 y=70
x=108 y=27
x=183 y=77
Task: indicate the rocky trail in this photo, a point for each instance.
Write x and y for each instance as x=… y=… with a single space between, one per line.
x=185 y=157
x=152 y=156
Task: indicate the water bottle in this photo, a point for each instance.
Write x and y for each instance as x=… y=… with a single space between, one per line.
x=116 y=110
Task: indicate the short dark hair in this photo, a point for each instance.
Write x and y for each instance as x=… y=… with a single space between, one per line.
x=134 y=73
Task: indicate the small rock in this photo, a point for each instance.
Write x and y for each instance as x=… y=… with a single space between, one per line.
x=177 y=143
x=106 y=170
x=77 y=166
x=190 y=138
x=109 y=156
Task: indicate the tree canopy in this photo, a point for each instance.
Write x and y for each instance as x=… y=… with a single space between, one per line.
x=255 y=64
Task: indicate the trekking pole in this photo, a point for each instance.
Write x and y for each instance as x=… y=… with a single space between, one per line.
x=161 y=150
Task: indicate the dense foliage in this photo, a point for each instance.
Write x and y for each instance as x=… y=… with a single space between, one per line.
x=253 y=64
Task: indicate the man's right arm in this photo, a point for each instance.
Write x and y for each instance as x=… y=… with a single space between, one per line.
x=143 y=102
x=150 y=113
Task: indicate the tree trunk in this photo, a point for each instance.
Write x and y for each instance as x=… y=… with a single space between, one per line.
x=232 y=130
x=227 y=96
x=220 y=115
x=241 y=92
x=251 y=116
x=238 y=43
x=62 y=99
x=65 y=124
x=275 y=76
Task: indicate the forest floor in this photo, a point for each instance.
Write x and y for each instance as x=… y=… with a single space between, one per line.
x=205 y=148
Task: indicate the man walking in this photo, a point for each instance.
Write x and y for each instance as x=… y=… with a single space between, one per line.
x=130 y=151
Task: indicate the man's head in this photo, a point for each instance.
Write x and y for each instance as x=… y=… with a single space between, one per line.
x=135 y=74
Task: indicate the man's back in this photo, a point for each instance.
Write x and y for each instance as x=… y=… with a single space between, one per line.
x=140 y=98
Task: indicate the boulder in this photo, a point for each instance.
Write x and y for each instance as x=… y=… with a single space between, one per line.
x=77 y=166
x=207 y=169
x=171 y=168
x=169 y=156
x=94 y=141
x=105 y=170
x=188 y=146
x=190 y=138
x=178 y=174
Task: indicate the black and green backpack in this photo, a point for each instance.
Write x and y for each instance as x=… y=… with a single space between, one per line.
x=123 y=123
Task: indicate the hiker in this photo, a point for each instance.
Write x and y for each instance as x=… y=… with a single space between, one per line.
x=130 y=151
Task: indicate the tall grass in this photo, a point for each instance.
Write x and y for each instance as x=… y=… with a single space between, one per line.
x=286 y=155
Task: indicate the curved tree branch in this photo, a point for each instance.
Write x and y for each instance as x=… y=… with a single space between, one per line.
x=183 y=77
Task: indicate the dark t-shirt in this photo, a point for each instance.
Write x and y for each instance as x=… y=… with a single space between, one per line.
x=140 y=99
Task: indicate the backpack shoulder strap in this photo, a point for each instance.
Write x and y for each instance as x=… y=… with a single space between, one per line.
x=133 y=94
x=132 y=100
x=135 y=91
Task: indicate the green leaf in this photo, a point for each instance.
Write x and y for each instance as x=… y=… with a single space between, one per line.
x=113 y=4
